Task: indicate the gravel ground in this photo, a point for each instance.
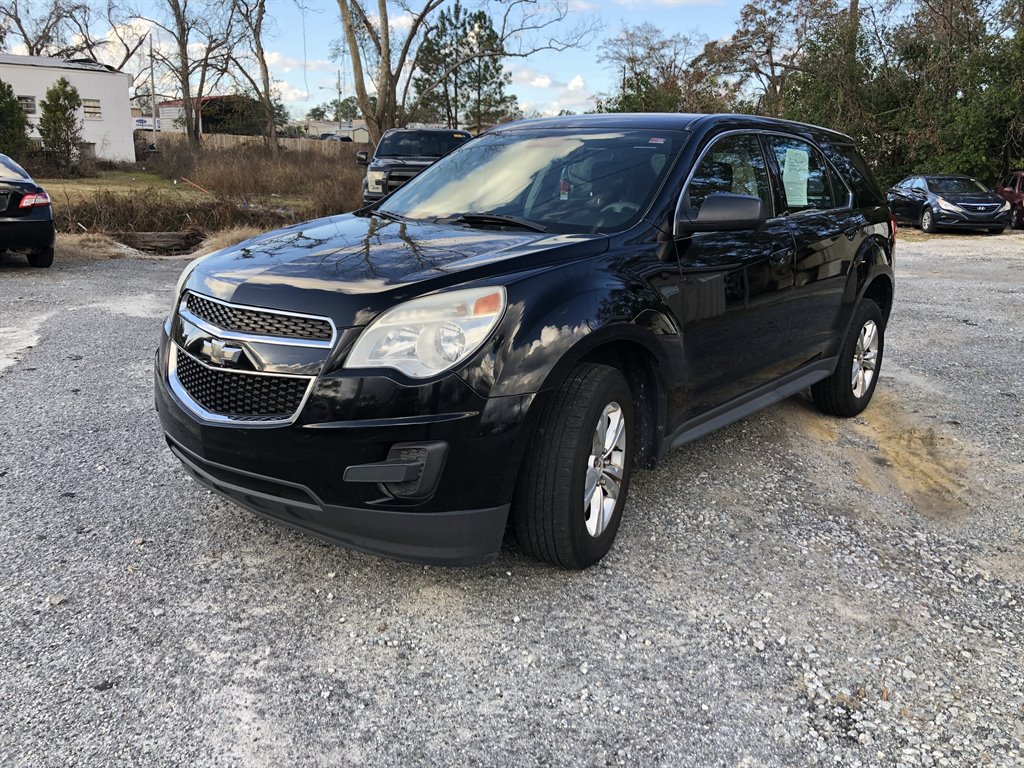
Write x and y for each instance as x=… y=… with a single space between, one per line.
x=793 y=590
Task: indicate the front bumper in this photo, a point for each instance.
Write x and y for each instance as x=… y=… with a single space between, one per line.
x=296 y=473
x=968 y=220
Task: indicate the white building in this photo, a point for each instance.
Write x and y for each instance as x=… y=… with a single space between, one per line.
x=106 y=113
x=353 y=129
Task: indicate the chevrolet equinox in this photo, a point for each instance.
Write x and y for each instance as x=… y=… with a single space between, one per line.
x=499 y=342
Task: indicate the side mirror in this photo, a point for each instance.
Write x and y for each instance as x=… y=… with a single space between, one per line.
x=723 y=212
x=363 y=157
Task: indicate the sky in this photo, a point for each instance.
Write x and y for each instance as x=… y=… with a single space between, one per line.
x=299 y=50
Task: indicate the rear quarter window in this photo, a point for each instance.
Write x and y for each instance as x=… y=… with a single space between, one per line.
x=855 y=170
x=11 y=170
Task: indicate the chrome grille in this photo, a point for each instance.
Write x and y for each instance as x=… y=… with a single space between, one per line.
x=240 y=396
x=258 y=322
x=980 y=207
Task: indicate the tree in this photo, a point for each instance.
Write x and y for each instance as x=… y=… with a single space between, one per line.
x=437 y=82
x=346 y=109
x=60 y=127
x=383 y=55
x=767 y=48
x=13 y=124
x=484 y=78
x=661 y=73
x=42 y=27
x=460 y=75
x=252 y=15
x=202 y=34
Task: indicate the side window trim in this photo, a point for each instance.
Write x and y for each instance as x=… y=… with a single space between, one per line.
x=754 y=133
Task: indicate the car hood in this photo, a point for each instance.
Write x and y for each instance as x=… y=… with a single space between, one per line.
x=978 y=198
x=352 y=267
x=403 y=162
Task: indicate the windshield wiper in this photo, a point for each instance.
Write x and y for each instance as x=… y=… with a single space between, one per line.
x=494 y=219
x=389 y=215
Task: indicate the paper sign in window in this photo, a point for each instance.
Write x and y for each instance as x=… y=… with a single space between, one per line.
x=794 y=176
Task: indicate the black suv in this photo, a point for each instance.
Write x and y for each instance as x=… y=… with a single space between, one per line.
x=507 y=336
x=402 y=154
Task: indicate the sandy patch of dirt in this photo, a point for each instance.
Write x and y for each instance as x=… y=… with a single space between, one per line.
x=896 y=451
x=925 y=463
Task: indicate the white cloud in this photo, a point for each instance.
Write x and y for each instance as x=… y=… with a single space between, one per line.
x=289 y=93
x=403 y=22
x=541 y=81
x=576 y=84
x=284 y=63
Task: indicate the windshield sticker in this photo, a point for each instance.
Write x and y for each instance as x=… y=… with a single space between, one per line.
x=656 y=140
x=794 y=176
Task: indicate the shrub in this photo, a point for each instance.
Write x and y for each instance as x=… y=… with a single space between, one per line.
x=60 y=127
x=13 y=125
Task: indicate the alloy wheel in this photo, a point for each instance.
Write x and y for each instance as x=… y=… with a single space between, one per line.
x=605 y=467
x=865 y=359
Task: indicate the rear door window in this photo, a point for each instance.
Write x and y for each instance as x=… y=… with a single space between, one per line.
x=804 y=174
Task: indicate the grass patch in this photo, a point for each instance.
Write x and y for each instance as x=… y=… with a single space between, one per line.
x=225 y=239
x=241 y=187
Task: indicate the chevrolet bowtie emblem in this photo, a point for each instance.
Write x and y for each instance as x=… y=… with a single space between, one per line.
x=216 y=351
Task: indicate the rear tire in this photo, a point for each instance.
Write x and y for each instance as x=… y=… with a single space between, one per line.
x=927 y=221
x=848 y=391
x=41 y=257
x=572 y=486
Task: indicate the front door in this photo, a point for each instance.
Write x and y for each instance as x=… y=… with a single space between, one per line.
x=736 y=286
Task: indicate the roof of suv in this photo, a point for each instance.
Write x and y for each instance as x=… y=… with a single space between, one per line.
x=661 y=121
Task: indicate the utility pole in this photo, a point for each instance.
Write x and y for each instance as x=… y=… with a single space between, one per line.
x=337 y=104
x=152 y=88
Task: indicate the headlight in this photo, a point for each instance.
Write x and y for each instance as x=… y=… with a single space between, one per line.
x=185 y=273
x=946 y=205
x=426 y=336
x=1005 y=206
x=375 y=180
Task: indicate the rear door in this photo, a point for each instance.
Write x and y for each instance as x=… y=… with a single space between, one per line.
x=736 y=286
x=817 y=205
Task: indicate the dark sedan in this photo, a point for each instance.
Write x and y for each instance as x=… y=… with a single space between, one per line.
x=26 y=221
x=954 y=202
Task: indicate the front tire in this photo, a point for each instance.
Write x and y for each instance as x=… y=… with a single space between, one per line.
x=572 y=487
x=927 y=221
x=41 y=257
x=1016 y=221
x=848 y=391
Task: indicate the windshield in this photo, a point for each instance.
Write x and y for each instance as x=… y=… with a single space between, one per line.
x=953 y=186
x=565 y=181
x=420 y=143
x=11 y=170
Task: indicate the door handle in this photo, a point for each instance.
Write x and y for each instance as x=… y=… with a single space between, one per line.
x=851 y=232
x=781 y=256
